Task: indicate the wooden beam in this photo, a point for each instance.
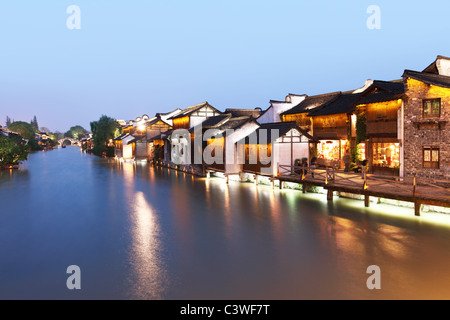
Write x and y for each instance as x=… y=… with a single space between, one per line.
x=366 y=200
x=417 y=207
x=330 y=195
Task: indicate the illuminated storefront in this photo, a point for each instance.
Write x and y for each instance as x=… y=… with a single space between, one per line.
x=386 y=157
x=361 y=151
x=331 y=152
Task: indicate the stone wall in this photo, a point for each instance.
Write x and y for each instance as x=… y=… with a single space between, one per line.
x=420 y=132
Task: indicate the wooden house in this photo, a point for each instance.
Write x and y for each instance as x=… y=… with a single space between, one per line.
x=380 y=110
x=187 y=119
x=300 y=112
x=222 y=133
x=273 y=144
x=125 y=146
x=332 y=128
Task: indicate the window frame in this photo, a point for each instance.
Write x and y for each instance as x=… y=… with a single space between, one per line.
x=431 y=164
x=431 y=116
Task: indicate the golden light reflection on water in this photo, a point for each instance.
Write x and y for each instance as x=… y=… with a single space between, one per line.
x=147 y=270
x=349 y=243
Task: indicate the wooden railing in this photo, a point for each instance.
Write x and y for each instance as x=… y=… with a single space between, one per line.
x=413 y=186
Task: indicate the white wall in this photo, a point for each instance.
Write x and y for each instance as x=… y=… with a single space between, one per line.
x=196 y=121
x=301 y=150
x=128 y=151
x=273 y=112
x=443 y=66
x=231 y=155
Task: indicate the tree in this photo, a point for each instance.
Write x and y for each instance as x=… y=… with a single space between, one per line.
x=103 y=131
x=8 y=121
x=57 y=135
x=22 y=128
x=12 y=152
x=75 y=132
x=34 y=124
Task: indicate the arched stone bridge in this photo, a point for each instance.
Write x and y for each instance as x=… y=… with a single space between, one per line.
x=73 y=142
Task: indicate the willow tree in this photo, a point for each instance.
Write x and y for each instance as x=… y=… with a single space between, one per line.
x=103 y=131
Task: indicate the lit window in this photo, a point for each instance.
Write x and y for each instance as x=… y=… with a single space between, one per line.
x=431 y=108
x=430 y=157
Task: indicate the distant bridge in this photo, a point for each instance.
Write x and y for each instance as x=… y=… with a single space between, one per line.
x=73 y=142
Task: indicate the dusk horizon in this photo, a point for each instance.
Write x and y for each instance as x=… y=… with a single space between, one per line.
x=127 y=60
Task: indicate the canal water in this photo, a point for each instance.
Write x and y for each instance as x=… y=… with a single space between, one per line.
x=144 y=232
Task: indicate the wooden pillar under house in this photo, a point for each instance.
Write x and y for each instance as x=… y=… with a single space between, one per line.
x=330 y=195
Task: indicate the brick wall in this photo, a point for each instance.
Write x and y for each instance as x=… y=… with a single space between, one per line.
x=420 y=132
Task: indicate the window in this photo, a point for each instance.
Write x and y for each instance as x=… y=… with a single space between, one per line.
x=430 y=157
x=431 y=108
x=386 y=155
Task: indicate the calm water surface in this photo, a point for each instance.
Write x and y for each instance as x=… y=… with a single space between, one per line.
x=140 y=232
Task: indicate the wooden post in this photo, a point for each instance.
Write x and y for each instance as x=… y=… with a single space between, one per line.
x=273 y=183
x=417 y=207
x=256 y=179
x=330 y=195
x=414 y=186
x=292 y=152
x=366 y=200
x=281 y=185
x=304 y=187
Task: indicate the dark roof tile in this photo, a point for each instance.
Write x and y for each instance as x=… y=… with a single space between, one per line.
x=429 y=78
x=311 y=102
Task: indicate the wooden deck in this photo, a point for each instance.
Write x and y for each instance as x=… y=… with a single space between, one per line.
x=418 y=191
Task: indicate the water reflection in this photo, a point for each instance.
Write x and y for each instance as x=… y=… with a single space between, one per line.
x=145 y=232
x=147 y=275
x=145 y=253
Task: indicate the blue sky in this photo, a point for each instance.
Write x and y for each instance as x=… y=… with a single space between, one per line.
x=136 y=57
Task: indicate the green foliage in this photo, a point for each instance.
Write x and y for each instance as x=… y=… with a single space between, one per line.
x=50 y=142
x=12 y=152
x=360 y=126
x=8 y=121
x=56 y=135
x=103 y=130
x=110 y=152
x=75 y=132
x=34 y=145
x=22 y=128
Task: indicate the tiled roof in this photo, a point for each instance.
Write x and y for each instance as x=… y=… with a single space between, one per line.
x=429 y=78
x=343 y=103
x=381 y=91
x=311 y=102
x=282 y=128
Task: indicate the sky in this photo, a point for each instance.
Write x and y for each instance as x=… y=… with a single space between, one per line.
x=135 y=57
